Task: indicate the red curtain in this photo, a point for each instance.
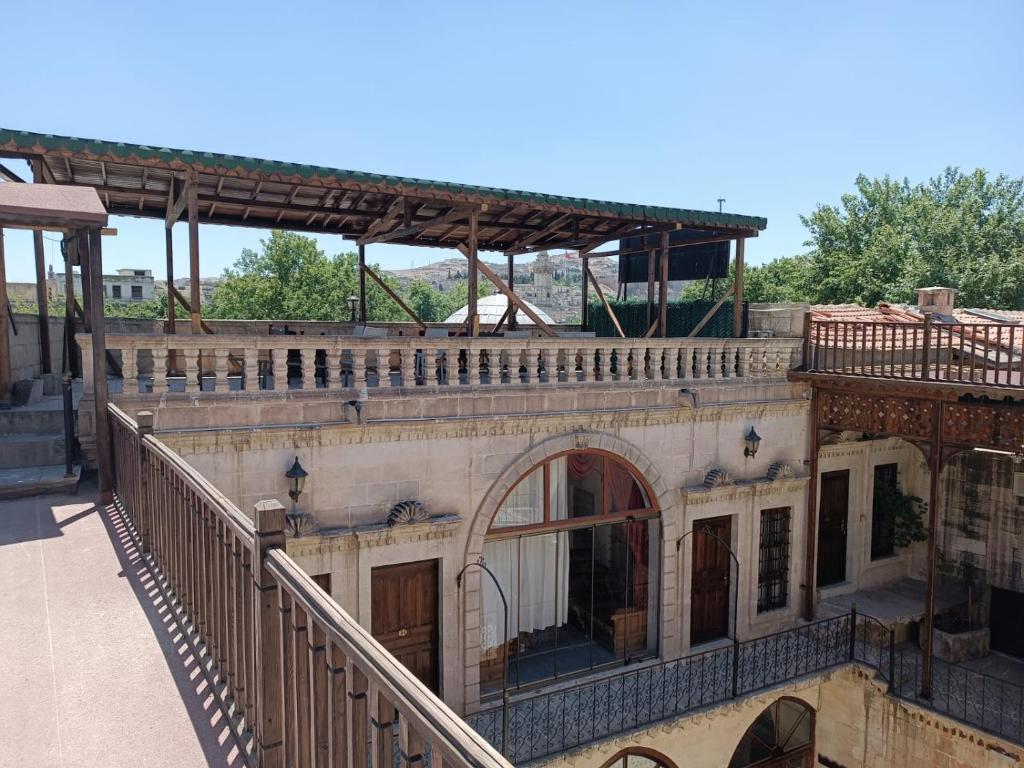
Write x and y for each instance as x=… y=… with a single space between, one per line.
x=581 y=464
x=624 y=489
x=636 y=536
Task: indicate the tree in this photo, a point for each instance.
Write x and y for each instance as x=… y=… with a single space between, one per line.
x=780 y=280
x=891 y=237
x=290 y=278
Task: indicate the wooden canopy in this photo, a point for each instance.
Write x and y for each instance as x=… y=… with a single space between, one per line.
x=39 y=206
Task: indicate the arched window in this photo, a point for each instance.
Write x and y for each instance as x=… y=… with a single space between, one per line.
x=575 y=548
x=781 y=737
x=638 y=757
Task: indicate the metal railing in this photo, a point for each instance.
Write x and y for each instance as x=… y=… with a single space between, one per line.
x=310 y=685
x=156 y=364
x=973 y=353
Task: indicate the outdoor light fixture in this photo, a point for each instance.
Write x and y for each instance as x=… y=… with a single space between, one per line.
x=353 y=302
x=296 y=480
x=752 y=440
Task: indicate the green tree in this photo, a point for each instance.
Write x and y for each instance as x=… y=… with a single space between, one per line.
x=781 y=280
x=891 y=237
x=290 y=278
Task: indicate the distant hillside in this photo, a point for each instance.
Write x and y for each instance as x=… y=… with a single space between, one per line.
x=566 y=271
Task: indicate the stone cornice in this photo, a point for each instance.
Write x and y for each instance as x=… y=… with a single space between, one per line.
x=744 y=489
x=365 y=537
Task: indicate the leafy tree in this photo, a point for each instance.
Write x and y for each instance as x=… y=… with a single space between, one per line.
x=290 y=278
x=780 y=280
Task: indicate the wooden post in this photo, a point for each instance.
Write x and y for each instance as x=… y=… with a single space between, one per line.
x=650 y=286
x=473 y=317
x=810 y=574
x=42 y=303
x=104 y=461
x=935 y=469
x=144 y=419
x=737 y=310
x=169 y=245
x=84 y=277
x=584 y=295
x=512 y=308
x=663 y=287
x=69 y=308
x=193 y=251
x=269 y=730
x=362 y=284
x=5 y=334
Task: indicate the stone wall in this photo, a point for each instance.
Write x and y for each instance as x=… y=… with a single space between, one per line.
x=856 y=726
x=25 y=357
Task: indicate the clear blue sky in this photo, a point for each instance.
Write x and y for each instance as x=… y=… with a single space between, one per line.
x=775 y=106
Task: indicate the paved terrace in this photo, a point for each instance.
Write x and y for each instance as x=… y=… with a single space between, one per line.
x=97 y=670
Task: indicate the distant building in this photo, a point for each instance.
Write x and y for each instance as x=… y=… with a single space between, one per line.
x=126 y=285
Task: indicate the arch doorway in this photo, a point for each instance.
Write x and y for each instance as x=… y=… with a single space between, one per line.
x=575 y=548
x=781 y=737
x=639 y=757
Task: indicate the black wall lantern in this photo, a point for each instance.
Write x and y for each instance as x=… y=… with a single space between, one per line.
x=353 y=303
x=296 y=480
x=753 y=440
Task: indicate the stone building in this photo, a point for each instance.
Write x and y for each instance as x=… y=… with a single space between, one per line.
x=125 y=285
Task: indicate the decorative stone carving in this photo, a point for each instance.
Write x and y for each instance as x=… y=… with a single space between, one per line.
x=716 y=478
x=407 y=512
x=780 y=470
x=582 y=442
x=299 y=524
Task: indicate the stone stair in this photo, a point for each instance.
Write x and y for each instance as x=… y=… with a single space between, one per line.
x=32 y=450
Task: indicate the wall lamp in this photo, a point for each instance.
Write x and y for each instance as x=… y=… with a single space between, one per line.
x=752 y=440
x=296 y=481
x=353 y=303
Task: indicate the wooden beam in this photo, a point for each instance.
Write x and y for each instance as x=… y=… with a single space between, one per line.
x=737 y=310
x=175 y=207
x=457 y=214
x=395 y=297
x=8 y=175
x=503 y=318
x=104 y=458
x=584 y=297
x=550 y=227
x=650 y=331
x=193 y=252
x=387 y=218
x=500 y=285
x=362 y=284
x=663 y=287
x=188 y=308
x=45 y=173
x=473 y=316
x=711 y=313
x=604 y=301
x=169 y=247
x=650 y=285
x=41 y=296
x=5 y=332
x=511 y=287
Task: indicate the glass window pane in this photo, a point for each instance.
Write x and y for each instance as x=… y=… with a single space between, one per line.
x=524 y=504
x=542 y=607
x=496 y=640
x=624 y=492
x=575 y=644
x=557 y=489
x=584 y=481
x=794 y=724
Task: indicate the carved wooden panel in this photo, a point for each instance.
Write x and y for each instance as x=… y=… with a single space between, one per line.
x=877 y=414
x=983 y=425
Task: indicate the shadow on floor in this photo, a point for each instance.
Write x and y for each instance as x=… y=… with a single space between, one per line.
x=216 y=737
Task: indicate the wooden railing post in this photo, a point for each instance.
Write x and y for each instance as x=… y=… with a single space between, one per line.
x=808 y=361
x=927 y=344
x=143 y=514
x=270 y=521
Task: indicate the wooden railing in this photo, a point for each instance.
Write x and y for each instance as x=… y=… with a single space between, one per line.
x=977 y=353
x=158 y=364
x=311 y=685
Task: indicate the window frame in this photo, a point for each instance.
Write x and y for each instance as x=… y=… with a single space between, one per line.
x=880 y=554
x=767 y=577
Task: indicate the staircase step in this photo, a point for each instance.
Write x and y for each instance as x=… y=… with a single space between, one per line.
x=19 y=421
x=35 y=481
x=31 y=450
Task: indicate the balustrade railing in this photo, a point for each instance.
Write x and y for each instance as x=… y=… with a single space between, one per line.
x=216 y=363
x=976 y=353
x=312 y=687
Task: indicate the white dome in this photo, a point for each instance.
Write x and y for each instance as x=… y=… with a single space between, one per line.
x=491 y=308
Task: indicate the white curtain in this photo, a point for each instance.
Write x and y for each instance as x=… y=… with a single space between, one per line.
x=534 y=574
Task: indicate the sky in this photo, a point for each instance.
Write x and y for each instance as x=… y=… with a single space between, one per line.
x=776 y=107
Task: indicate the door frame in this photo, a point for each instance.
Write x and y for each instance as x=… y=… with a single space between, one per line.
x=848 y=473
x=732 y=575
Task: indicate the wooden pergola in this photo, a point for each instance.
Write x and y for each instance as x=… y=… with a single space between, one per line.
x=209 y=188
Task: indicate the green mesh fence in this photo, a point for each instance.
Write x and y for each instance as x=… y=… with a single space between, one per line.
x=683 y=317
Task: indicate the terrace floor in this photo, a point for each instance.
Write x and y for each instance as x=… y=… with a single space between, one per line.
x=97 y=670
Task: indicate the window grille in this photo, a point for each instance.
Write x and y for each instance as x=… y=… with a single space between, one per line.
x=773 y=568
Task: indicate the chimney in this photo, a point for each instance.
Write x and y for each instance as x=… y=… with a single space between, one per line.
x=936 y=299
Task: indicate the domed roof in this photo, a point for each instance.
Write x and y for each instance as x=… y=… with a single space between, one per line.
x=491 y=308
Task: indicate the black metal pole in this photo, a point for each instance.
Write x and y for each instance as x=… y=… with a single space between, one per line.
x=504 y=662
x=69 y=426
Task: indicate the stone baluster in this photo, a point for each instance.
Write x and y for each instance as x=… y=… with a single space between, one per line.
x=728 y=357
x=159 y=370
x=604 y=365
x=221 y=368
x=359 y=368
x=586 y=363
x=743 y=361
x=384 y=367
x=474 y=362
x=700 y=365
x=192 y=383
x=308 y=367
x=332 y=358
x=130 y=370
x=494 y=368
x=252 y=369
x=523 y=359
x=280 y=363
x=538 y=361
x=407 y=366
x=795 y=351
x=685 y=361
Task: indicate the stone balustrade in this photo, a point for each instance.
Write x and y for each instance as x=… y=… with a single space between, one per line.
x=156 y=364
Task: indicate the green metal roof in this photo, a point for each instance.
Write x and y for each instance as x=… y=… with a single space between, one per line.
x=29 y=142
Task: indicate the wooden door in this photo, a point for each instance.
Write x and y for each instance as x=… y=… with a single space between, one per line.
x=709 y=590
x=832 y=514
x=404 y=616
x=1006 y=619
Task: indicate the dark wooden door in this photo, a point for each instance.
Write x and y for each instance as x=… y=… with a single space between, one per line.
x=404 y=616
x=832 y=515
x=1006 y=620
x=709 y=590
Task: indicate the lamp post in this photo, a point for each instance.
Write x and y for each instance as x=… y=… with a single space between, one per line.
x=480 y=563
x=706 y=530
x=296 y=476
x=752 y=440
x=353 y=304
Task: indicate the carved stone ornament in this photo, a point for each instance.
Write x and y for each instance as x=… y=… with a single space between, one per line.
x=299 y=524
x=716 y=478
x=407 y=512
x=780 y=471
x=582 y=442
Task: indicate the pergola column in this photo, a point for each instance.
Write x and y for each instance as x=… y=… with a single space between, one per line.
x=512 y=323
x=473 y=318
x=737 y=309
x=41 y=296
x=193 y=251
x=663 y=287
x=70 y=241
x=362 y=284
x=169 y=246
x=935 y=470
x=5 y=334
x=94 y=257
x=583 y=299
